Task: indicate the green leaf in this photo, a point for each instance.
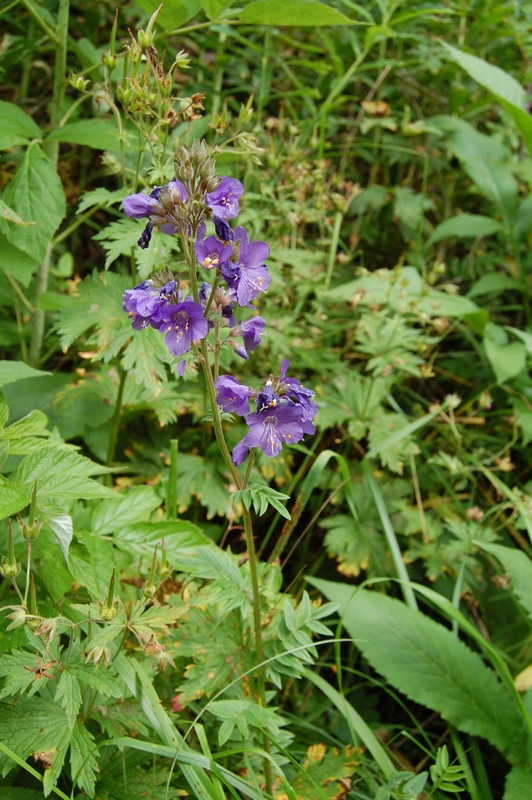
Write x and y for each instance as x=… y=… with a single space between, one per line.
x=507 y=360
x=13 y=497
x=484 y=159
x=101 y=134
x=131 y=506
x=429 y=664
x=174 y=13
x=35 y=193
x=493 y=282
x=16 y=127
x=61 y=524
x=506 y=89
x=261 y=496
x=83 y=752
x=68 y=695
x=465 y=226
x=519 y=568
x=62 y=473
x=35 y=726
x=11 y=371
x=295 y=13
x=17 y=263
x=213 y=8
x=518 y=783
x=180 y=537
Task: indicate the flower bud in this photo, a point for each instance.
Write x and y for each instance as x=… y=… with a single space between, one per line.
x=109 y=60
x=18 y=616
x=124 y=93
x=78 y=82
x=110 y=607
x=97 y=653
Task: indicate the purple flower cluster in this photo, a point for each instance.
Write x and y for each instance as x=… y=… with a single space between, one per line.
x=284 y=409
x=181 y=321
x=284 y=414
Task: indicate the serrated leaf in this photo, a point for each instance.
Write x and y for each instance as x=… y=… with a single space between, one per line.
x=518 y=783
x=60 y=473
x=9 y=215
x=213 y=8
x=100 y=196
x=83 y=752
x=13 y=497
x=16 y=127
x=180 y=536
x=131 y=506
x=16 y=263
x=298 y=13
x=429 y=664
x=174 y=13
x=260 y=496
x=101 y=134
x=68 y=695
x=61 y=524
x=35 y=727
x=35 y=193
x=119 y=239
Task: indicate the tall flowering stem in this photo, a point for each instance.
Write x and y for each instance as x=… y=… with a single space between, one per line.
x=196 y=327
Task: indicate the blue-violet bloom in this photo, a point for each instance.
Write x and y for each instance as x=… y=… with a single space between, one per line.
x=223 y=202
x=233 y=396
x=155 y=206
x=210 y=252
x=250 y=275
x=182 y=324
x=269 y=430
x=145 y=303
x=251 y=331
x=223 y=231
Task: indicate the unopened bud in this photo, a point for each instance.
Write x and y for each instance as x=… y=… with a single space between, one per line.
x=109 y=60
x=78 y=82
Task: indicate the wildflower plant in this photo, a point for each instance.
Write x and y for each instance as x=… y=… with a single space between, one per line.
x=200 y=319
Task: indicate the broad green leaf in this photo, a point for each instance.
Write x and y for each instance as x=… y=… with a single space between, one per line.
x=173 y=14
x=101 y=134
x=35 y=193
x=213 y=8
x=484 y=159
x=519 y=568
x=16 y=127
x=11 y=371
x=62 y=473
x=68 y=695
x=506 y=89
x=62 y=526
x=131 y=506
x=518 y=783
x=507 y=360
x=295 y=13
x=429 y=664
x=493 y=282
x=465 y=226
x=16 y=263
x=13 y=497
x=181 y=538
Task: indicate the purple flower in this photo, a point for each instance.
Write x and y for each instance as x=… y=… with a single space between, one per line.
x=145 y=303
x=251 y=331
x=211 y=252
x=233 y=395
x=224 y=200
x=250 y=275
x=269 y=430
x=182 y=324
x=223 y=231
x=159 y=206
x=290 y=388
x=267 y=399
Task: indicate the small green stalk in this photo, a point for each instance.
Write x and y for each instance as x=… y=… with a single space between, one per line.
x=115 y=424
x=60 y=37
x=171 y=503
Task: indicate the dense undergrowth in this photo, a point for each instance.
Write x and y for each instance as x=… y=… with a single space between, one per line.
x=378 y=643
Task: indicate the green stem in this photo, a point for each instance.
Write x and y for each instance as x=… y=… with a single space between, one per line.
x=28 y=575
x=60 y=38
x=171 y=508
x=116 y=422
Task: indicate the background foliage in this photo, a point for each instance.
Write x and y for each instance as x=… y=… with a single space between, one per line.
x=385 y=152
